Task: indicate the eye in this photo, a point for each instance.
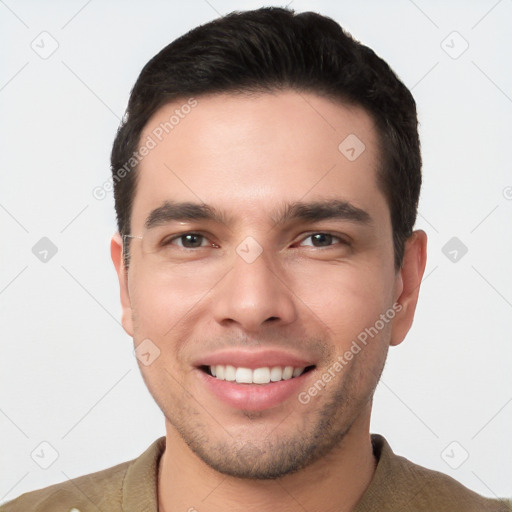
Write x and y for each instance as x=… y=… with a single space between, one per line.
x=189 y=241
x=323 y=240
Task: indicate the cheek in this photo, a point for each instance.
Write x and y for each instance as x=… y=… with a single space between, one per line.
x=345 y=298
x=161 y=301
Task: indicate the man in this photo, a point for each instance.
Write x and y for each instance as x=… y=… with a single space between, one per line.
x=267 y=176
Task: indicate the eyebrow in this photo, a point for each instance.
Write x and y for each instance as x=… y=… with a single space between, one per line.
x=170 y=211
x=334 y=209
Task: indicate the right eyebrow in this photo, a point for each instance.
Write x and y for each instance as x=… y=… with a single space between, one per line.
x=186 y=211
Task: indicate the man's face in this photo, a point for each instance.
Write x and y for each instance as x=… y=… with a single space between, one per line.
x=264 y=283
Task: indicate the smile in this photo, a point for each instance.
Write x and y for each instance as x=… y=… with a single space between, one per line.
x=263 y=375
x=254 y=380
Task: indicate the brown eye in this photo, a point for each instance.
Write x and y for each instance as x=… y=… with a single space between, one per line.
x=192 y=241
x=322 y=240
x=188 y=241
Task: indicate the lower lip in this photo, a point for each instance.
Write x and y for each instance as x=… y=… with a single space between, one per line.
x=253 y=397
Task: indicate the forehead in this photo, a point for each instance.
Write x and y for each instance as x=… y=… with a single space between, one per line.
x=249 y=154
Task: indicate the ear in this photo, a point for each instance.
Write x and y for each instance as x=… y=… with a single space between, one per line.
x=408 y=284
x=116 y=252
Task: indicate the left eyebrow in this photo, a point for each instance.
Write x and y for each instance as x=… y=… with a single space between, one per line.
x=322 y=210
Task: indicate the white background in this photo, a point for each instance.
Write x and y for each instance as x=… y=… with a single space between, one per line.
x=68 y=375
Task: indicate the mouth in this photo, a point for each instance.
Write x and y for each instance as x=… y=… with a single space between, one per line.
x=261 y=376
x=253 y=380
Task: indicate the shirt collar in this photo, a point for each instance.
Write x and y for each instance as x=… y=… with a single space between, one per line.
x=140 y=484
x=385 y=489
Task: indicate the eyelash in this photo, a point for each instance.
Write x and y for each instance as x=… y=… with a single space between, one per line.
x=177 y=237
x=169 y=241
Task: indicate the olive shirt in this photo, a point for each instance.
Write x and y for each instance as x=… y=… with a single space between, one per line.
x=397 y=485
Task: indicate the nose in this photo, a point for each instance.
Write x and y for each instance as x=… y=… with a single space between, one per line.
x=253 y=295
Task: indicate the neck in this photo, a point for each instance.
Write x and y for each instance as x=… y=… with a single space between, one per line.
x=334 y=483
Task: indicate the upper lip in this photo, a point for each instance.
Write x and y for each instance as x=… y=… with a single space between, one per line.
x=253 y=359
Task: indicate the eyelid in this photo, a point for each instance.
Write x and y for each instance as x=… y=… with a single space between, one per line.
x=344 y=239
x=168 y=240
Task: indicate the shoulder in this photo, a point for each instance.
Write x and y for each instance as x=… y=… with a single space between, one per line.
x=104 y=490
x=399 y=482
x=95 y=489
x=434 y=487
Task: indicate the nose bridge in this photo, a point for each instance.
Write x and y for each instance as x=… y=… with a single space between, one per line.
x=253 y=292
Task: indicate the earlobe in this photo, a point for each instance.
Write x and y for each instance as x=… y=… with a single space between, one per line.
x=116 y=252
x=408 y=285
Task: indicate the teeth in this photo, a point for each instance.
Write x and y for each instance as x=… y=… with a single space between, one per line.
x=287 y=372
x=297 y=372
x=276 y=374
x=262 y=375
x=230 y=373
x=243 y=375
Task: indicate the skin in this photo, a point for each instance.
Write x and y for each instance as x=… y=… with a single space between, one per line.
x=248 y=156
